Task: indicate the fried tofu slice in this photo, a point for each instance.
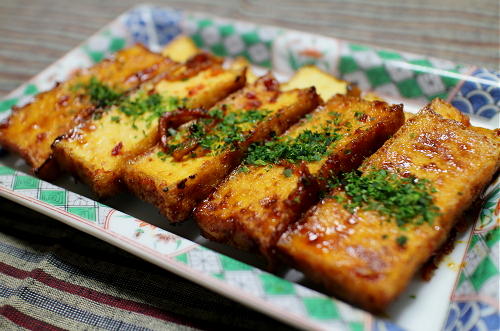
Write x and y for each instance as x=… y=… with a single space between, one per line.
x=241 y=62
x=31 y=129
x=371 y=96
x=446 y=110
x=176 y=186
x=326 y=85
x=367 y=257
x=181 y=49
x=256 y=203
x=97 y=151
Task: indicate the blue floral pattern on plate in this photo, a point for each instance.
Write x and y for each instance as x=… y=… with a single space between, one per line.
x=480 y=97
x=155 y=27
x=472 y=315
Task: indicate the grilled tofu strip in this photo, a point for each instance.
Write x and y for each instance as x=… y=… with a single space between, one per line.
x=97 y=150
x=241 y=62
x=367 y=257
x=31 y=129
x=176 y=186
x=326 y=84
x=181 y=49
x=256 y=203
x=446 y=110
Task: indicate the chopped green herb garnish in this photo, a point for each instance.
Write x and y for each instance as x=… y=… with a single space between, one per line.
x=141 y=105
x=161 y=155
x=148 y=107
x=358 y=115
x=216 y=113
x=336 y=117
x=244 y=169
x=308 y=146
x=406 y=200
x=230 y=129
x=401 y=240
x=338 y=198
x=101 y=95
x=287 y=172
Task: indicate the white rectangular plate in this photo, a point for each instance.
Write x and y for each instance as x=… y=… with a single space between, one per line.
x=464 y=289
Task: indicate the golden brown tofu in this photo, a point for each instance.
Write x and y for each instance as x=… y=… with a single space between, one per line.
x=240 y=63
x=371 y=96
x=97 y=150
x=408 y=115
x=181 y=49
x=31 y=129
x=446 y=110
x=255 y=204
x=367 y=253
x=176 y=186
x=326 y=85
x=494 y=134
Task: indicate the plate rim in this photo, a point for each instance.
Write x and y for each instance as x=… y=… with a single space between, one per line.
x=173 y=265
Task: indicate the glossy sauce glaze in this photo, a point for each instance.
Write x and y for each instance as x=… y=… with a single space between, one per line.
x=365 y=257
x=31 y=129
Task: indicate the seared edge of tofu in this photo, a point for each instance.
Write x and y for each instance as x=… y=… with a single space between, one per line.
x=124 y=142
x=175 y=196
x=366 y=259
x=258 y=219
x=31 y=129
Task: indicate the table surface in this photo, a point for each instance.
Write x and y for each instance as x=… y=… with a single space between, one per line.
x=84 y=283
x=33 y=34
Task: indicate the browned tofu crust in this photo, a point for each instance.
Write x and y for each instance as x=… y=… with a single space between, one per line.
x=97 y=150
x=31 y=129
x=251 y=209
x=446 y=110
x=176 y=187
x=357 y=256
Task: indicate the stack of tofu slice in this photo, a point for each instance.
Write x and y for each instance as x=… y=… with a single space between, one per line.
x=367 y=260
x=262 y=165
x=255 y=205
x=30 y=130
x=98 y=150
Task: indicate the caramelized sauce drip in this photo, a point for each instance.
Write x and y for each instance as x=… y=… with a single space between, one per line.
x=462 y=225
x=117 y=149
